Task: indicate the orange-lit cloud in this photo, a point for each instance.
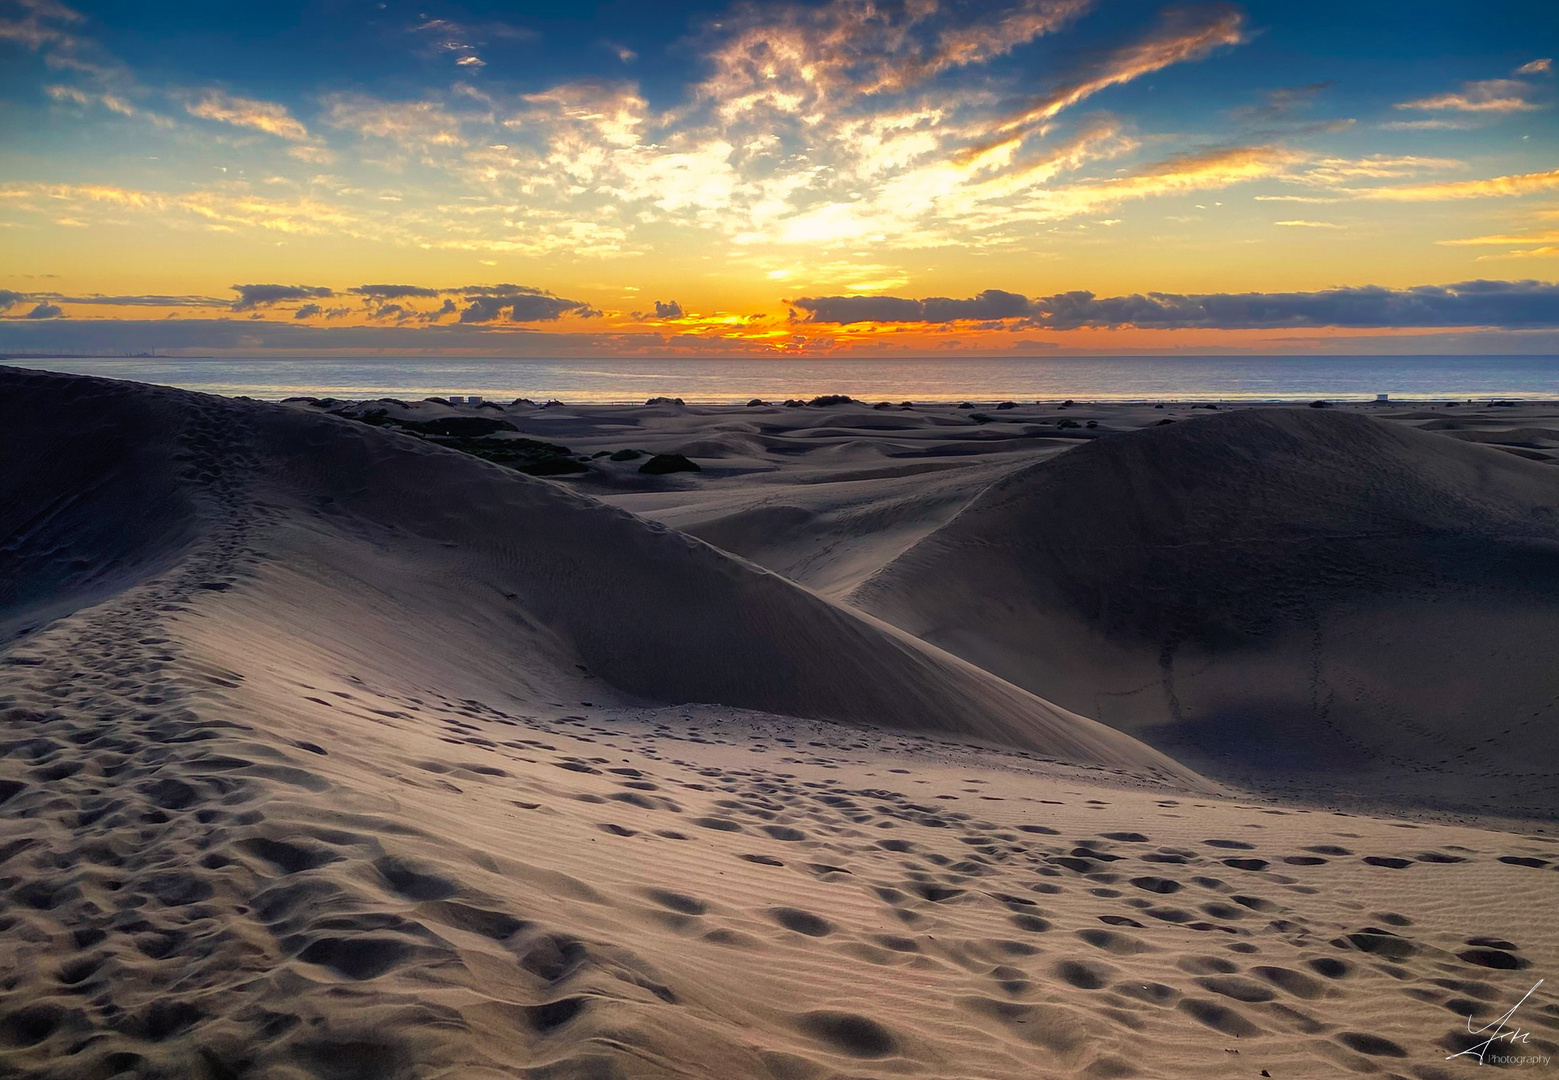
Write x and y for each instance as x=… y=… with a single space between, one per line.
x=1490 y=95
x=1493 y=187
x=245 y=112
x=1549 y=237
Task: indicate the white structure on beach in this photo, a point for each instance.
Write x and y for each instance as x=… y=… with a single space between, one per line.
x=474 y=399
x=456 y=399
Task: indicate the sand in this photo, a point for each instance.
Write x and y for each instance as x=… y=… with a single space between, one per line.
x=333 y=753
x=1289 y=598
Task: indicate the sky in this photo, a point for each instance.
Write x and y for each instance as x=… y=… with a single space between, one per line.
x=850 y=178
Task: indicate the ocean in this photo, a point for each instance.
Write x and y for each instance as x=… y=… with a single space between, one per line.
x=1125 y=378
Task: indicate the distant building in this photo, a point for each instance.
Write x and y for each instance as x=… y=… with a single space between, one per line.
x=474 y=399
x=456 y=399
x=1382 y=397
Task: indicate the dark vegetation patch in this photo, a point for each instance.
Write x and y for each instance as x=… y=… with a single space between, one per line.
x=661 y=464
x=486 y=437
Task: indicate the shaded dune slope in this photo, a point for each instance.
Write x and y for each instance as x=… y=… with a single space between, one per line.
x=436 y=560
x=1274 y=596
x=93 y=502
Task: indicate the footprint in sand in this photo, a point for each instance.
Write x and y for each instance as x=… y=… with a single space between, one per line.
x=802 y=922
x=848 y=1033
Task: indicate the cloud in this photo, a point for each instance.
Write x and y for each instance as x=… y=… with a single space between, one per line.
x=1338 y=170
x=256 y=296
x=1545 y=252
x=1493 y=187
x=793 y=58
x=46 y=310
x=1186 y=34
x=395 y=292
x=1487 y=95
x=445 y=37
x=245 y=112
x=1437 y=124
x=1499 y=304
x=669 y=310
x=1490 y=95
x=823 y=123
x=988 y=306
x=142 y=300
x=219 y=207
x=415 y=125
x=1281 y=104
x=522 y=303
x=485 y=303
x=1302 y=223
x=1539 y=238
x=1194 y=171
x=41 y=24
x=77 y=96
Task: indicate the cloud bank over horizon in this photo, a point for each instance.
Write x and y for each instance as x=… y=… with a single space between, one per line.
x=1495 y=304
x=405 y=318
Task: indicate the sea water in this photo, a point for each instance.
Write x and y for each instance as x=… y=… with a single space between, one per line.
x=1094 y=378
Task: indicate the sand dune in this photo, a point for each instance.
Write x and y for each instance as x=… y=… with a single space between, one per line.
x=456 y=564
x=1301 y=597
x=325 y=753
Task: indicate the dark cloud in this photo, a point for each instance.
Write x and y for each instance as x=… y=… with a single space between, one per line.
x=307 y=311
x=447 y=308
x=668 y=309
x=992 y=304
x=1282 y=103
x=521 y=303
x=253 y=296
x=1503 y=304
x=46 y=310
x=9 y=299
x=391 y=311
x=501 y=289
x=240 y=336
x=148 y=300
x=394 y=292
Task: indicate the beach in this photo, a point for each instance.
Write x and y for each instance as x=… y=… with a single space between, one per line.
x=393 y=738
